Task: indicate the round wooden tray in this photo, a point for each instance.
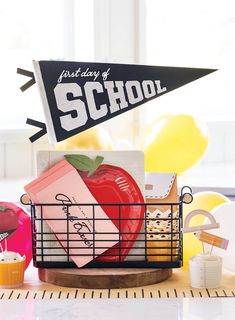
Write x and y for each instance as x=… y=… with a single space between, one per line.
x=103 y=278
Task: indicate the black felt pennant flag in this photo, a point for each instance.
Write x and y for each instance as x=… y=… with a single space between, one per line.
x=77 y=95
x=29 y=74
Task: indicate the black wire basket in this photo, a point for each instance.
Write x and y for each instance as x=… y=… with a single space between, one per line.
x=158 y=244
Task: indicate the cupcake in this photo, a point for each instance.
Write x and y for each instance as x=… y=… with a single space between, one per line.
x=12 y=266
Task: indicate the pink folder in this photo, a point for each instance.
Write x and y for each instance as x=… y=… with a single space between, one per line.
x=63 y=185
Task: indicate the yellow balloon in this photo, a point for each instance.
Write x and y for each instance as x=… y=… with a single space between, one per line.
x=96 y=138
x=201 y=200
x=174 y=143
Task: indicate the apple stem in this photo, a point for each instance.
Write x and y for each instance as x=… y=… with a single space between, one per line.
x=2 y=208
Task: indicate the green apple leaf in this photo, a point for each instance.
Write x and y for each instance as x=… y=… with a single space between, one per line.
x=84 y=163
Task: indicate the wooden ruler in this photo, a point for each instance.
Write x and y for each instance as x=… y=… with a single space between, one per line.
x=177 y=286
x=113 y=294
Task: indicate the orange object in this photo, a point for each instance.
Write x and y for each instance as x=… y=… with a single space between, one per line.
x=160 y=192
x=12 y=274
x=212 y=239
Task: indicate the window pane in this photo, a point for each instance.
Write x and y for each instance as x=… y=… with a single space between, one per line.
x=194 y=34
x=37 y=30
x=84 y=30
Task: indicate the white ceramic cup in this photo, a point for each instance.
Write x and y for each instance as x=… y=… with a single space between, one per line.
x=205 y=271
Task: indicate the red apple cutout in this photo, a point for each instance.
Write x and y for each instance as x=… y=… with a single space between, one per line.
x=21 y=240
x=113 y=185
x=8 y=222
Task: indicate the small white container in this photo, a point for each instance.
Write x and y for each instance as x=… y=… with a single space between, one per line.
x=205 y=271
